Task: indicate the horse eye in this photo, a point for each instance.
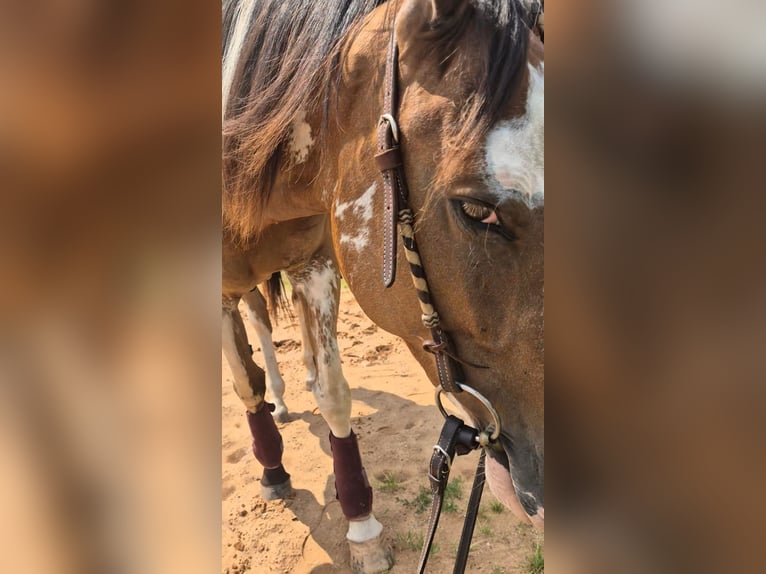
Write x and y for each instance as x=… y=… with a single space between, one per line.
x=477 y=211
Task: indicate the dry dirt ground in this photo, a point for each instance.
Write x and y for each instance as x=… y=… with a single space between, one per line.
x=397 y=423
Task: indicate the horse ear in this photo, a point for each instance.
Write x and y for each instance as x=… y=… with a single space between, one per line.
x=415 y=15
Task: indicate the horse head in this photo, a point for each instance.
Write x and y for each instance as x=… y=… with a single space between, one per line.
x=470 y=125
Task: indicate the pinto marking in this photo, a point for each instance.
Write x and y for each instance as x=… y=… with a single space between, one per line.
x=274 y=381
x=301 y=140
x=515 y=149
x=361 y=208
x=236 y=363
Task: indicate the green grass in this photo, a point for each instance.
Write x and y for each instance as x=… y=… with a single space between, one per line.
x=498 y=570
x=410 y=541
x=389 y=482
x=454 y=489
x=486 y=530
x=536 y=561
x=452 y=493
x=496 y=507
x=421 y=502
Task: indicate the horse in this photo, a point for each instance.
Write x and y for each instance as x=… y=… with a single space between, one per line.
x=307 y=91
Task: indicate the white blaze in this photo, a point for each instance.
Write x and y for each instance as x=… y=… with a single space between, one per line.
x=515 y=149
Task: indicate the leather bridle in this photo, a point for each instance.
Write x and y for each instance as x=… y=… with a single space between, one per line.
x=456 y=436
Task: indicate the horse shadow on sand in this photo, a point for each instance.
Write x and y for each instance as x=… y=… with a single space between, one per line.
x=397 y=426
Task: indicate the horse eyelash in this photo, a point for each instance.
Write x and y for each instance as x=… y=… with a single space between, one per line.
x=476 y=210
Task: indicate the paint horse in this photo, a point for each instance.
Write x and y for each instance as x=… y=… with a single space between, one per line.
x=304 y=88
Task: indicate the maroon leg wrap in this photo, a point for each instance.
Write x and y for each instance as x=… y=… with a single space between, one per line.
x=267 y=442
x=351 y=485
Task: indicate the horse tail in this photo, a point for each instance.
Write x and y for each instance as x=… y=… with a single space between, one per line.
x=276 y=300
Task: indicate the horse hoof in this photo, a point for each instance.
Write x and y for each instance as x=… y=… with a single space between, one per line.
x=277 y=491
x=371 y=557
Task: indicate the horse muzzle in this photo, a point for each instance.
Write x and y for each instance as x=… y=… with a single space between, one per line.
x=525 y=504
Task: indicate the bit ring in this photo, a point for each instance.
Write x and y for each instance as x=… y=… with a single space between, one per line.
x=479 y=397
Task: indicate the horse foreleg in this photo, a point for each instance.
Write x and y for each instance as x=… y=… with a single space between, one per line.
x=319 y=292
x=259 y=318
x=250 y=386
x=308 y=353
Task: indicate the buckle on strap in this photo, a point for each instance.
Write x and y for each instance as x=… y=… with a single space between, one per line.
x=456 y=438
x=389 y=119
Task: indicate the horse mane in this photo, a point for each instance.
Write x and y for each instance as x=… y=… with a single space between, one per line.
x=283 y=67
x=288 y=63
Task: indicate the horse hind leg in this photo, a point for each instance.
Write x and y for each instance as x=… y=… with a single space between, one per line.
x=308 y=354
x=319 y=288
x=250 y=386
x=258 y=314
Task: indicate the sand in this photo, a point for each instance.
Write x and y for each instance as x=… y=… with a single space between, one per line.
x=394 y=416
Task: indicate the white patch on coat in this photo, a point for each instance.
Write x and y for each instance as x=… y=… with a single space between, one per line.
x=231 y=56
x=357 y=242
x=274 y=381
x=331 y=389
x=361 y=208
x=319 y=289
x=229 y=345
x=515 y=149
x=364 y=530
x=301 y=140
x=237 y=365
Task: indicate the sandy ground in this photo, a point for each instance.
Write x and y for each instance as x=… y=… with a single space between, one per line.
x=397 y=424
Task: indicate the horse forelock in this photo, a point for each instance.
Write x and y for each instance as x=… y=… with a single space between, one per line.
x=502 y=61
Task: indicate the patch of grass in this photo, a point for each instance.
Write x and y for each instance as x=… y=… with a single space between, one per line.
x=498 y=570
x=536 y=561
x=435 y=547
x=389 y=482
x=454 y=489
x=421 y=502
x=410 y=541
x=486 y=530
x=452 y=493
x=496 y=507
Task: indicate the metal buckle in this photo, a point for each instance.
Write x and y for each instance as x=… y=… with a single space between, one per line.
x=437 y=448
x=392 y=124
x=479 y=397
